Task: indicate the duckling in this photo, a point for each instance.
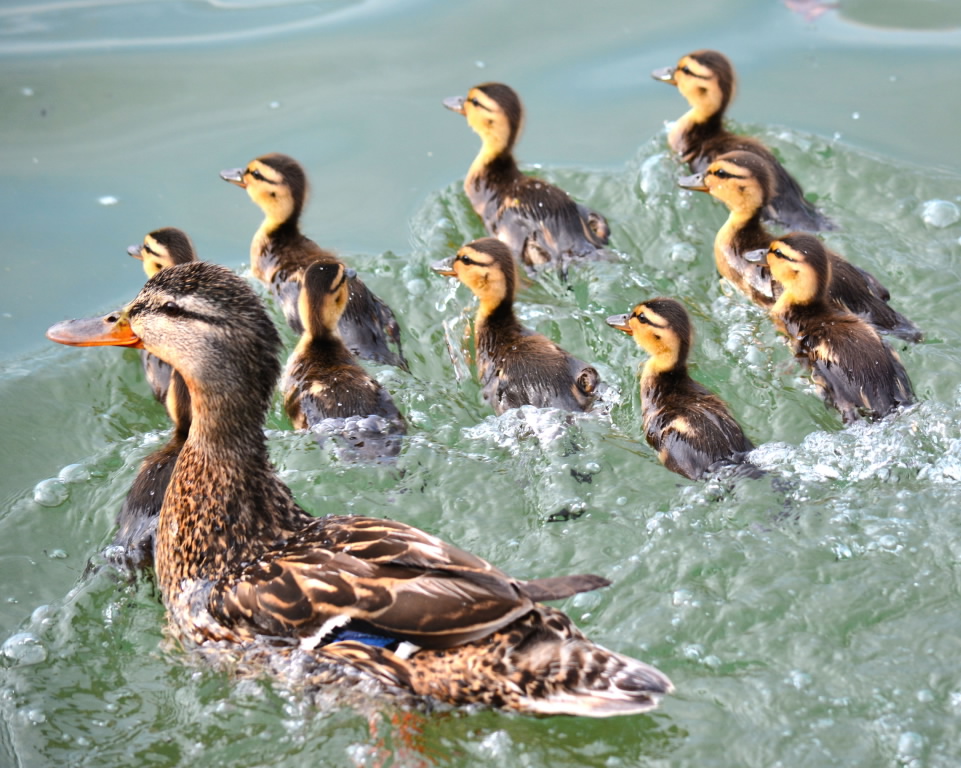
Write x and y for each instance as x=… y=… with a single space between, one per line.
x=706 y=79
x=855 y=371
x=744 y=182
x=689 y=426
x=323 y=385
x=279 y=254
x=539 y=221
x=160 y=249
x=516 y=366
x=253 y=582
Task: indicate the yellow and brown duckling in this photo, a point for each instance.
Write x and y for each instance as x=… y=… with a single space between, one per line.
x=324 y=388
x=160 y=249
x=252 y=581
x=539 y=221
x=855 y=371
x=280 y=252
x=689 y=426
x=515 y=365
x=706 y=80
x=745 y=182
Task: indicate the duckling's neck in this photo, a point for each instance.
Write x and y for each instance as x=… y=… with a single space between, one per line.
x=665 y=361
x=692 y=129
x=273 y=232
x=496 y=324
x=493 y=165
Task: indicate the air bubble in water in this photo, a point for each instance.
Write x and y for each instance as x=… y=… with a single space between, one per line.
x=24 y=649
x=940 y=213
x=50 y=493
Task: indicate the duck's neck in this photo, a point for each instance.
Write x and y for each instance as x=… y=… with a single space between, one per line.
x=495 y=320
x=272 y=231
x=224 y=504
x=693 y=128
x=493 y=163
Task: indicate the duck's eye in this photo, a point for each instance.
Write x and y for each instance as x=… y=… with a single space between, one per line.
x=721 y=173
x=686 y=70
x=172 y=308
x=257 y=175
x=464 y=259
x=473 y=100
x=642 y=318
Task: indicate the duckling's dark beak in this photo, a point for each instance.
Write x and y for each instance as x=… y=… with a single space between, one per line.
x=455 y=104
x=135 y=251
x=112 y=330
x=234 y=176
x=758 y=256
x=350 y=273
x=665 y=75
x=619 y=322
x=695 y=182
x=444 y=267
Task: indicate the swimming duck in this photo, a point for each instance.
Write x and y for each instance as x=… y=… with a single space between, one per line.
x=744 y=182
x=689 y=426
x=516 y=366
x=706 y=79
x=160 y=249
x=855 y=371
x=324 y=387
x=279 y=254
x=251 y=580
x=539 y=221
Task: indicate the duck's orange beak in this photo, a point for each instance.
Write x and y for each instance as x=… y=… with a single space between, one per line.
x=619 y=322
x=112 y=330
x=136 y=251
x=235 y=176
x=444 y=267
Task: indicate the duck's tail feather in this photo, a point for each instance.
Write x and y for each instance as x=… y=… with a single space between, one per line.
x=559 y=587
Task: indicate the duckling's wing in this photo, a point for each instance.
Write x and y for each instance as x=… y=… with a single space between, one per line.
x=384 y=575
x=860 y=292
x=368 y=325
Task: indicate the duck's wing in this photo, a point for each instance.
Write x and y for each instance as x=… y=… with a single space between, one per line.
x=381 y=575
x=368 y=326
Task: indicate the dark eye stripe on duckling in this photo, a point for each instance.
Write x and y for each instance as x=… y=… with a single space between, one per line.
x=722 y=173
x=782 y=255
x=687 y=71
x=643 y=318
x=259 y=176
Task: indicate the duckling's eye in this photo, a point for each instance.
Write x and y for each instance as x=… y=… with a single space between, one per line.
x=686 y=70
x=642 y=318
x=257 y=175
x=465 y=259
x=721 y=173
x=474 y=101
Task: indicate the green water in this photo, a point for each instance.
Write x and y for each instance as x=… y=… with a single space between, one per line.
x=815 y=625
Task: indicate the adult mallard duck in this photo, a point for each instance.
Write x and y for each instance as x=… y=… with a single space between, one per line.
x=745 y=182
x=855 y=371
x=706 y=79
x=251 y=579
x=280 y=252
x=689 y=426
x=516 y=366
x=160 y=249
x=539 y=221
x=324 y=388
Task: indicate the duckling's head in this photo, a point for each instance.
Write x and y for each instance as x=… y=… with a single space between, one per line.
x=323 y=297
x=494 y=111
x=743 y=181
x=662 y=328
x=163 y=248
x=487 y=267
x=800 y=263
x=705 y=78
x=203 y=320
x=276 y=182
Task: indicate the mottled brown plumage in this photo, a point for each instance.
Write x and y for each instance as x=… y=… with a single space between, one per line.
x=251 y=581
x=689 y=426
x=280 y=252
x=706 y=79
x=855 y=371
x=540 y=222
x=744 y=182
x=324 y=387
x=515 y=365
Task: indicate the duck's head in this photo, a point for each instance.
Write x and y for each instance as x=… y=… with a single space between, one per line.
x=800 y=263
x=323 y=296
x=743 y=181
x=163 y=248
x=276 y=182
x=662 y=328
x=203 y=320
x=494 y=111
x=705 y=78
x=487 y=267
